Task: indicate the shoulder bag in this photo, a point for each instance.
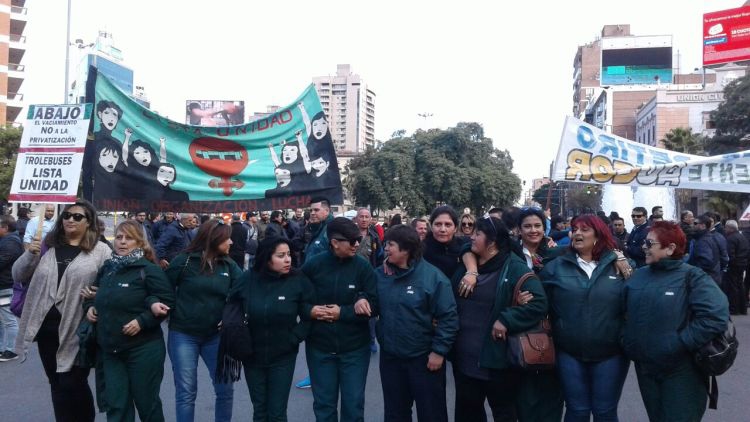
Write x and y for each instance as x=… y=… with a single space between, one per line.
x=533 y=349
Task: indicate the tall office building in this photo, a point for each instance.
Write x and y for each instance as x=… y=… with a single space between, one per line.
x=108 y=60
x=349 y=106
x=12 y=48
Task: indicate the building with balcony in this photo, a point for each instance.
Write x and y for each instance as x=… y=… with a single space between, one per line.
x=349 y=106
x=13 y=18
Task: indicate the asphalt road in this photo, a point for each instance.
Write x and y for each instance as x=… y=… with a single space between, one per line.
x=24 y=394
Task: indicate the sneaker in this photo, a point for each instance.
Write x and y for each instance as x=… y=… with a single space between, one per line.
x=305 y=383
x=7 y=355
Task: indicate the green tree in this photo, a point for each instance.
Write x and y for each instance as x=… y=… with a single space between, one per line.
x=684 y=140
x=731 y=119
x=457 y=166
x=10 y=140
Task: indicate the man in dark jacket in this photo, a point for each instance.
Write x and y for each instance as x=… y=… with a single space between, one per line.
x=738 y=249
x=176 y=237
x=11 y=247
x=705 y=253
x=274 y=228
x=148 y=231
x=619 y=232
x=251 y=242
x=634 y=248
x=371 y=249
x=160 y=226
x=316 y=237
x=239 y=239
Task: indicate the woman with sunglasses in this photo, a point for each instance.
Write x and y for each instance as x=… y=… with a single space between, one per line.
x=416 y=329
x=338 y=347
x=276 y=297
x=467 y=226
x=132 y=299
x=57 y=271
x=584 y=291
x=672 y=310
x=480 y=364
x=202 y=277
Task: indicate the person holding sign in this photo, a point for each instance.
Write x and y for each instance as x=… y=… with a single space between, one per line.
x=56 y=278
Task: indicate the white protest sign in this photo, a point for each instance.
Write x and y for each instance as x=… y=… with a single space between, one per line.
x=50 y=156
x=589 y=155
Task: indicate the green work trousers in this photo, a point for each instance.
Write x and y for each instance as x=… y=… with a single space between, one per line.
x=269 y=390
x=677 y=395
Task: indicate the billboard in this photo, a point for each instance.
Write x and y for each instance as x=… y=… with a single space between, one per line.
x=726 y=36
x=214 y=113
x=636 y=66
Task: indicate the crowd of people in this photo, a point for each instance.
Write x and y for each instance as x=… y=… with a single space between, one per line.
x=420 y=292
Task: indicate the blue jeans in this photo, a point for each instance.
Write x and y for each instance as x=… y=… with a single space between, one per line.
x=591 y=387
x=8 y=329
x=331 y=373
x=183 y=351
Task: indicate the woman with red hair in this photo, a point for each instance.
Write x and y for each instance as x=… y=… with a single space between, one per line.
x=584 y=290
x=672 y=310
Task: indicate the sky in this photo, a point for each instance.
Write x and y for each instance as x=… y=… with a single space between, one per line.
x=506 y=65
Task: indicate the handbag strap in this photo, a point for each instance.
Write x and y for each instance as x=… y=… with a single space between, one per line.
x=519 y=284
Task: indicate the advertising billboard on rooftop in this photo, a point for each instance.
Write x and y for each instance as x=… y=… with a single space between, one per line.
x=214 y=112
x=726 y=36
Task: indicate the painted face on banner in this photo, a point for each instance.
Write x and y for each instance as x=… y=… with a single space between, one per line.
x=320 y=165
x=108 y=160
x=289 y=154
x=319 y=128
x=165 y=175
x=283 y=177
x=109 y=118
x=142 y=156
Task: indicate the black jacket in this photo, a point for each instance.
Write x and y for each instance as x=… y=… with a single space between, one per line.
x=445 y=256
x=738 y=249
x=11 y=247
x=274 y=229
x=239 y=239
x=705 y=255
x=635 y=244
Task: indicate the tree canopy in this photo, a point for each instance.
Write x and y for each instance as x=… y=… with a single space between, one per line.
x=10 y=140
x=458 y=166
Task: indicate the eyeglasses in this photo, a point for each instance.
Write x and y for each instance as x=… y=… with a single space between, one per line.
x=467 y=224
x=352 y=242
x=637 y=215
x=76 y=216
x=648 y=243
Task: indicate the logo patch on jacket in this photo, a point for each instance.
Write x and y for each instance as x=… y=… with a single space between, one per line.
x=282 y=297
x=123 y=284
x=352 y=286
x=668 y=293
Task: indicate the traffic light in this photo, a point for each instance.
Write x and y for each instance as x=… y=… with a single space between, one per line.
x=588 y=190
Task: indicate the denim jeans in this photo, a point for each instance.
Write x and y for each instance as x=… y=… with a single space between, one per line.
x=183 y=351
x=8 y=329
x=334 y=373
x=591 y=387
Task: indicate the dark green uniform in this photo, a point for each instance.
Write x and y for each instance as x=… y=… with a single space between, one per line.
x=276 y=307
x=200 y=296
x=672 y=309
x=133 y=366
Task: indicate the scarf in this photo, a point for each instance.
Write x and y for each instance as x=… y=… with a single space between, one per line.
x=118 y=262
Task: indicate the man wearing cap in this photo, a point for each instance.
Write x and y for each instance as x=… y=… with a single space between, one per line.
x=239 y=238
x=338 y=347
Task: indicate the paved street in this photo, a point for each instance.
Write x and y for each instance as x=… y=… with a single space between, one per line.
x=24 y=395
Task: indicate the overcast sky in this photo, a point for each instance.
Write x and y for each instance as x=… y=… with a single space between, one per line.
x=508 y=66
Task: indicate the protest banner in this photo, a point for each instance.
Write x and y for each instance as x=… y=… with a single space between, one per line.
x=136 y=159
x=589 y=155
x=50 y=155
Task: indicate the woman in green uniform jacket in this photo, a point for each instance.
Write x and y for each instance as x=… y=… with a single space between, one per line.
x=672 y=309
x=584 y=291
x=133 y=297
x=202 y=276
x=480 y=364
x=275 y=298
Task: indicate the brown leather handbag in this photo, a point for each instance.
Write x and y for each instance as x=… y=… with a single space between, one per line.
x=531 y=350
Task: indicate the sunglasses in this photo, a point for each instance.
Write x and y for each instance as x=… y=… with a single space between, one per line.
x=352 y=242
x=648 y=243
x=76 y=216
x=467 y=224
x=637 y=216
